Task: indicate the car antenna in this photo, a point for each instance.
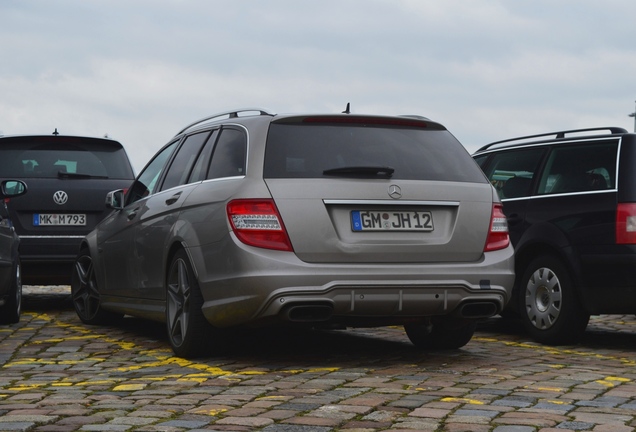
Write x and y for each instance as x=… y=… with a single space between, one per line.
x=347 y=110
x=55 y=132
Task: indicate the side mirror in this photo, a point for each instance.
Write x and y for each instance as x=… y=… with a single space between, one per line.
x=115 y=199
x=13 y=188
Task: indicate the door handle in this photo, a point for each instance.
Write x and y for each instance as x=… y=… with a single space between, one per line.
x=131 y=215
x=173 y=199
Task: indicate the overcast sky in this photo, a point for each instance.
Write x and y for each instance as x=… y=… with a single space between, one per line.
x=140 y=70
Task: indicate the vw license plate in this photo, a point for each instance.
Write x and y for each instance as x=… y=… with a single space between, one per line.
x=54 y=219
x=365 y=220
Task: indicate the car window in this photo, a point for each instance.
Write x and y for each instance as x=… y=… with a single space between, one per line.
x=183 y=161
x=47 y=158
x=481 y=160
x=308 y=150
x=200 y=169
x=147 y=180
x=228 y=158
x=580 y=168
x=511 y=172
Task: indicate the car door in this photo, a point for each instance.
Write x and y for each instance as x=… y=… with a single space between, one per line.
x=154 y=230
x=115 y=236
x=512 y=173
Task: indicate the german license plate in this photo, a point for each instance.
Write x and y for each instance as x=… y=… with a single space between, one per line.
x=366 y=220
x=56 y=219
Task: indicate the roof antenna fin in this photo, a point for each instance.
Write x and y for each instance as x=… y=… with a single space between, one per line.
x=55 y=132
x=347 y=110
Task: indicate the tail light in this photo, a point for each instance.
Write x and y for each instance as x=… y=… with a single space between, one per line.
x=498 y=237
x=258 y=223
x=626 y=223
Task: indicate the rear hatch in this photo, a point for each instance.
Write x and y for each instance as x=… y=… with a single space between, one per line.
x=67 y=179
x=376 y=190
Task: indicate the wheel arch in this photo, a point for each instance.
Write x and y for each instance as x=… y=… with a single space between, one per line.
x=176 y=246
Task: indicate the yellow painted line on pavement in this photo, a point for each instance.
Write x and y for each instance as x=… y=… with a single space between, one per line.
x=129 y=387
x=549 y=389
x=462 y=400
x=612 y=381
x=210 y=412
x=558 y=402
x=158 y=358
x=557 y=351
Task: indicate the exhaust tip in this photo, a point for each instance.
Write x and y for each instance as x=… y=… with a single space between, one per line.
x=308 y=313
x=479 y=310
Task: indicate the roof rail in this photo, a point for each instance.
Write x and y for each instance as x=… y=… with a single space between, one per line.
x=556 y=135
x=229 y=114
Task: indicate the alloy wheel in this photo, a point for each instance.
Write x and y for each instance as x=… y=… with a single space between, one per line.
x=178 y=302
x=84 y=290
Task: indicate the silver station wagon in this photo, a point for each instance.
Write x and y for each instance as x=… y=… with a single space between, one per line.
x=248 y=218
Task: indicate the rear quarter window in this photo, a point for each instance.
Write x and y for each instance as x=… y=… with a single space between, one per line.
x=307 y=150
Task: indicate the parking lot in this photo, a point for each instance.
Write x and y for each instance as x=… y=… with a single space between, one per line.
x=60 y=375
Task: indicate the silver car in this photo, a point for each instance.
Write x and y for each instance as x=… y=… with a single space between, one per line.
x=249 y=218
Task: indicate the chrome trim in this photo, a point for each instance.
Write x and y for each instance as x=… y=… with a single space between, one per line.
x=560 y=194
x=50 y=236
x=392 y=202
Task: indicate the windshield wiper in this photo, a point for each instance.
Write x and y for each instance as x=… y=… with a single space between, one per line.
x=361 y=171
x=64 y=174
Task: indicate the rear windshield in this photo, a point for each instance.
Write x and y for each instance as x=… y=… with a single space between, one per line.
x=57 y=157
x=308 y=150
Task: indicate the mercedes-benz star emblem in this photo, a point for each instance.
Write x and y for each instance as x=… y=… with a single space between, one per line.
x=395 y=192
x=60 y=197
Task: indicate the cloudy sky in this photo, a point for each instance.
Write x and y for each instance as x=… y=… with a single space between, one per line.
x=139 y=70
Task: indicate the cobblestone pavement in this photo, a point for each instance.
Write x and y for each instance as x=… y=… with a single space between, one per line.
x=57 y=374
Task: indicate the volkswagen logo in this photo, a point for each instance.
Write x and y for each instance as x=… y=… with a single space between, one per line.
x=60 y=197
x=395 y=192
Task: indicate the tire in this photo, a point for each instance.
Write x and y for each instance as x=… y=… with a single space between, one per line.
x=189 y=332
x=550 y=310
x=85 y=293
x=442 y=333
x=10 y=312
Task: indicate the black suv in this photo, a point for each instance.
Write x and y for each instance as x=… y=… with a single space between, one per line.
x=68 y=178
x=570 y=201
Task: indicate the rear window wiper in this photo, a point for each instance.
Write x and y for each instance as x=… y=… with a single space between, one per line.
x=64 y=174
x=360 y=171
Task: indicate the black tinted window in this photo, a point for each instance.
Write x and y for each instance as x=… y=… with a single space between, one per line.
x=579 y=168
x=184 y=160
x=203 y=162
x=48 y=157
x=228 y=158
x=511 y=172
x=306 y=151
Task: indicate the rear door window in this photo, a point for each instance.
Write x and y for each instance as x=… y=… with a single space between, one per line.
x=512 y=172
x=580 y=168
x=183 y=161
x=301 y=150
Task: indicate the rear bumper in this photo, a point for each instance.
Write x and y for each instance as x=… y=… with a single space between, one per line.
x=255 y=285
x=48 y=260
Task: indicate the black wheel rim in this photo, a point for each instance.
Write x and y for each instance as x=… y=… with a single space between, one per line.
x=178 y=302
x=85 y=294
